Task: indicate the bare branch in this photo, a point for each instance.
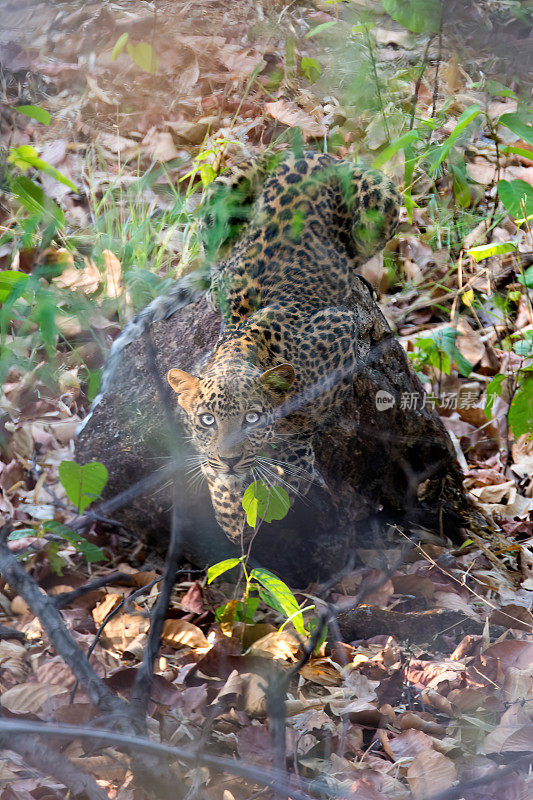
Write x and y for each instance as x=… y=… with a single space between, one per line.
x=48 y=762
x=261 y=776
x=51 y=620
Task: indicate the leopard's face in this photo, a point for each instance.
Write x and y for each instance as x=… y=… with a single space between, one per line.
x=231 y=416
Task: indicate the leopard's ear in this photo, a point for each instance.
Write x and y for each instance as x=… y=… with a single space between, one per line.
x=278 y=380
x=184 y=385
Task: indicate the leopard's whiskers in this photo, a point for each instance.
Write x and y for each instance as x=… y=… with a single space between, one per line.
x=267 y=474
x=289 y=469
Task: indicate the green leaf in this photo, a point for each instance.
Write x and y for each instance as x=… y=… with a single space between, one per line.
x=26 y=156
x=468 y=116
x=120 y=44
x=494 y=389
x=446 y=341
x=314 y=623
x=418 y=16
x=321 y=28
x=237 y=611
x=222 y=567
x=143 y=55
x=266 y=502
x=497 y=89
x=57 y=563
x=36 y=201
x=461 y=186
x=22 y=533
x=524 y=347
x=10 y=278
x=397 y=144
x=280 y=596
x=526 y=279
x=44 y=314
x=517 y=125
x=311 y=68
x=82 y=483
x=486 y=250
x=94 y=379
x=409 y=171
x=517 y=151
x=521 y=411
x=246 y=611
x=91 y=551
x=514 y=194
x=35 y=112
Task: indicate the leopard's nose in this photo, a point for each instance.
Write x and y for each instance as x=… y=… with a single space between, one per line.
x=231 y=463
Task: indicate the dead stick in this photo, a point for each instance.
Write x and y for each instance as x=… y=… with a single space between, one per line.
x=263 y=777
x=65 y=598
x=48 y=762
x=140 y=693
x=56 y=630
x=141 y=689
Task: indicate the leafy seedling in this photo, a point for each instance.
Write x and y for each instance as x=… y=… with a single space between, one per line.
x=82 y=483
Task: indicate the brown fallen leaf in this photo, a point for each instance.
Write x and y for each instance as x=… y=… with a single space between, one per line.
x=254 y=745
x=438 y=702
x=321 y=671
x=192 y=132
x=420 y=721
x=160 y=145
x=280 y=645
x=112 y=274
x=180 y=633
x=289 y=114
x=112 y=766
x=430 y=773
x=126 y=148
x=86 y=279
x=193 y=599
x=13 y=660
x=97 y=92
x=417 y=585
x=469 y=342
x=513 y=616
x=409 y=744
x=122 y=628
x=518 y=685
x=29 y=698
x=110 y=602
x=515 y=732
x=467 y=699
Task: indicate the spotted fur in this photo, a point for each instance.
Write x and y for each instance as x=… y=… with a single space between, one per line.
x=294 y=234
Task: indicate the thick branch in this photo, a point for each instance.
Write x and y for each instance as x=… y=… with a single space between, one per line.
x=56 y=630
x=260 y=776
x=48 y=762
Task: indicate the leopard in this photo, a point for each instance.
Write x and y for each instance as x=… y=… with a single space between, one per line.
x=292 y=232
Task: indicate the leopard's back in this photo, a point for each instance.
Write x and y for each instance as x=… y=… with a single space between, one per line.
x=311 y=223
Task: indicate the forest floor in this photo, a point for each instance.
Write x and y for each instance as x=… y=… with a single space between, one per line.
x=146 y=102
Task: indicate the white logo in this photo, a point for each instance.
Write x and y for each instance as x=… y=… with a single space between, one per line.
x=384 y=400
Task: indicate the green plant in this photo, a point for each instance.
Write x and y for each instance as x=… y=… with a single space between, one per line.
x=141 y=53
x=260 y=584
x=266 y=503
x=419 y=16
x=518 y=388
x=83 y=484
x=440 y=351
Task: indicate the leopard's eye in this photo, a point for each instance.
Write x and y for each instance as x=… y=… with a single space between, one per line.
x=251 y=417
x=207 y=420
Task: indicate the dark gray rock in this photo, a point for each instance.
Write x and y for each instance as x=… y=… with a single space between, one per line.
x=379 y=465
